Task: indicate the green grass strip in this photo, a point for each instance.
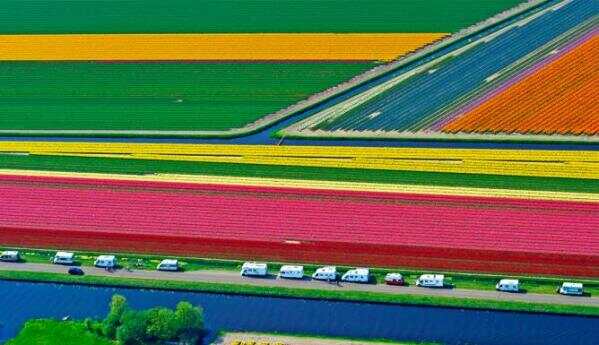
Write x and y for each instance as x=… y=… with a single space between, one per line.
x=233 y=16
x=54 y=332
x=140 y=167
x=302 y=293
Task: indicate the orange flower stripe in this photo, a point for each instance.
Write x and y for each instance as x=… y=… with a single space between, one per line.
x=221 y=47
x=560 y=98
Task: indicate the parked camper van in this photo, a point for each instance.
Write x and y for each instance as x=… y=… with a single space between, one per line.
x=105 y=261
x=394 y=279
x=255 y=269
x=356 y=275
x=11 y=255
x=291 y=272
x=431 y=280
x=508 y=285
x=325 y=273
x=64 y=258
x=168 y=265
x=573 y=289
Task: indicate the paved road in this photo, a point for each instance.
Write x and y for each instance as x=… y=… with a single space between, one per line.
x=234 y=277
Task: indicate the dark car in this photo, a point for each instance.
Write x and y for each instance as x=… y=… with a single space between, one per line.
x=76 y=271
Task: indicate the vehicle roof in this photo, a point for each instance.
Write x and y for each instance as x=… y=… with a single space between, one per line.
x=360 y=270
x=292 y=267
x=432 y=276
x=106 y=257
x=573 y=285
x=509 y=281
x=394 y=274
x=169 y=261
x=327 y=269
x=254 y=264
x=10 y=252
x=64 y=254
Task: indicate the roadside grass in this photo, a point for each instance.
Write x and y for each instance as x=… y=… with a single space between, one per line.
x=142 y=167
x=270 y=291
x=54 y=332
x=462 y=280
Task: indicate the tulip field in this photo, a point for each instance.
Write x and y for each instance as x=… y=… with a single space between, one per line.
x=309 y=225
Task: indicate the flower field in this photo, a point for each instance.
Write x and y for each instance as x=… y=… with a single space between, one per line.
x=560 y=98
x=288 y=224
x=214 y=47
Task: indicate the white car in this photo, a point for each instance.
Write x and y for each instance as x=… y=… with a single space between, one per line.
x=11 y=255
x=64 y=258
x=508 y=285
x=168 y=265
x=431 y=280
x=255 y=269
x=572 y=289
x=328 y=273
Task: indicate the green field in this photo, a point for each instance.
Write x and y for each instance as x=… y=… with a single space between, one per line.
x=54 y=332
x=140 y=167
x=224 y=16
x=156 y=96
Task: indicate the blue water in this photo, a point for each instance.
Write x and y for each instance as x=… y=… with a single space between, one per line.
x=20 y=301
x=409 y=103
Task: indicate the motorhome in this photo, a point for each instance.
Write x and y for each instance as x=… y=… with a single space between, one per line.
x=325 y=273
x=10 y=255
x=255 y=269
x=105 y=261
x=168 y=265
x=291 y=272
x=508 y=285
x=431 y=280
x=64 y=258
x=357 y=275
x=574 y=289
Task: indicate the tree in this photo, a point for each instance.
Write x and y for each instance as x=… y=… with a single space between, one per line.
x=190 y=322
x=161 y=324
x=118 y=307
x=132 y=330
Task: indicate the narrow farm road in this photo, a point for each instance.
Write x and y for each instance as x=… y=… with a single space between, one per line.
x=213 y=276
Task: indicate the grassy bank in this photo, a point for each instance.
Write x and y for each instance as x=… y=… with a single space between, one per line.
x=54 y=332
x=475 y=281
x=140 y=167
x=357 y=296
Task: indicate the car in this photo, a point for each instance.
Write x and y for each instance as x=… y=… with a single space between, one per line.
x=394 y=279
x=76 y=271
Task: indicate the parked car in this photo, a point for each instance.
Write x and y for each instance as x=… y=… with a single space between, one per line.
x=431 y=280
x=508 y=285
x=76 y=271
x=357 y=275
x=572 y=289
x=168 y=265
x=64 y=258
x=325 y=273
x=394 y=279
x=291 y=272
x=10 y=255
x=106 y=261
x=255 y=269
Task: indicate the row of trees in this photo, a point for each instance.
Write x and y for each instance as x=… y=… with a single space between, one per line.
x=183 y=325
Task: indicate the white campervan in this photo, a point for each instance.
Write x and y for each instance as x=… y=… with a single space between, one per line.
x=431 y=280
x=291 y=272
x=325 y=273
x=357 y=275
x=105 y=261
x=64 y=258
x=508 y=285
x=255 y=269
x=10 y=255
x=168 y=265
x=574 y=289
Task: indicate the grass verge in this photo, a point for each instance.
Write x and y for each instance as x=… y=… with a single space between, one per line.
x=54 y=332
x=270 y=291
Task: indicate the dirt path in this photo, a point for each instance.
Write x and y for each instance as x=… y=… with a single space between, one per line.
x=271 y=339
x=213 y=276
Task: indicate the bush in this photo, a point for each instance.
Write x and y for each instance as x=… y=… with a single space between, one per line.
x=132 y=330
x=118 y=307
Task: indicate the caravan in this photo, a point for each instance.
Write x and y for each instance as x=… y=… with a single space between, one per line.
x=431 y=280
x=168 y=265
x=508 y=285
x=328 y=273
x=291 y=272
x=572 y=289
x=64 y=258
x=11 y=255
x=254 y=269
x=357 y=275
x=106 y=261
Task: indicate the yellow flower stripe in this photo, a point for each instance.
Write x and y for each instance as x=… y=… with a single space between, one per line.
x=321 y=184
x=549 y=163
x=298 y=46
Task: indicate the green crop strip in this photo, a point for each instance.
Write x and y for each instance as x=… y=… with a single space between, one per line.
x=156 y=96
x=140 y=167
x=197 y=16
